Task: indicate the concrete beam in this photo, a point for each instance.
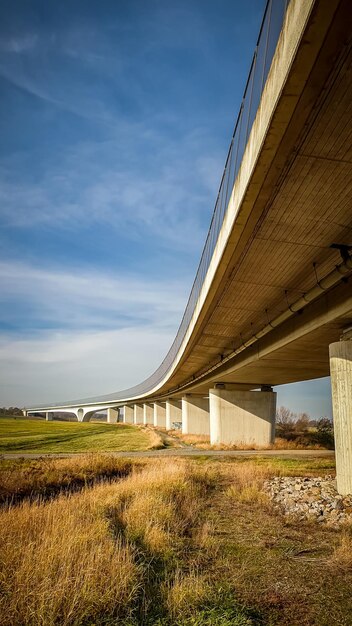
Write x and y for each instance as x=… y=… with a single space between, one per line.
x=138 y=414
x=242 y=417
x=173 y=412
x=195 y=415
x=160 y=414
x=341 y=390
x=112 y=416
x=148 y=413
x=128 y=414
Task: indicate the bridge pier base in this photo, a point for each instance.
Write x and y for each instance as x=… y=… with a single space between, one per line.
x=159 y=414
x=242 y=417
x=195 y=415
x=48 y=417
x=112 y=416
x=341 y=391
x=138 y=414
x=128 y=414
x=173 y=412
x=148 y=413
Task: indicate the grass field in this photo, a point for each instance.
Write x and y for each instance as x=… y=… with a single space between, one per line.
x=24 y=435
x=169 y=542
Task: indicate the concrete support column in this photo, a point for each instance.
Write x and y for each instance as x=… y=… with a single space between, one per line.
x=48 y=417
x=159 y=414
x=173 y=412
x=148 y=413
x=341 y=390
x=128 y=414
x=138 y=414
x=242 y=417
x=195 y=415
x=112 y=416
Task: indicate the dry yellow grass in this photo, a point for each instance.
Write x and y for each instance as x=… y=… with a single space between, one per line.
x=342 y=555
x=75 y=559
x=248 y=479
x=175 y=543
x=192 y=440
x=61 y=565
x=22 y=478
x=155 y=439
x=203 y=443
x=184 y=593
x=158 y=505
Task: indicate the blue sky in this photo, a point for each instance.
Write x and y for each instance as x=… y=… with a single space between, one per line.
x=115 y=119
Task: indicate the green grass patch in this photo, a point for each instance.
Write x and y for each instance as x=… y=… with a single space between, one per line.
x=290 y=466
x=23 y=435
x=287 y=466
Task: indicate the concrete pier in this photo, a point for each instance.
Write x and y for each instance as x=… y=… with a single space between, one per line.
x=341 y=390
x=112 y=416
x=138 y=414
x=148 y=413
x=49 y=417
x=159 y=414
x=173 y=412
x=242 y=417
x=128 y=414
x=195 y=415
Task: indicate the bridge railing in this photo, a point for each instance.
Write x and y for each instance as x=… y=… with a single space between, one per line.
x=269 y=33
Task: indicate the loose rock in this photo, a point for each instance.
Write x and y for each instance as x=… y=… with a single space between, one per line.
x=310 y=498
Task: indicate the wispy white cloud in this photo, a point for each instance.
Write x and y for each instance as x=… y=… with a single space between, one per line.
x=88 y=300
x=82 y=333
x=92 y=184
x=64 y=366
x=20 y=44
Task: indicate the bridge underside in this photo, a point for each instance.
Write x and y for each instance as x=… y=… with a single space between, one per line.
x=299 y=207
x=287 y=227
x=297 y=350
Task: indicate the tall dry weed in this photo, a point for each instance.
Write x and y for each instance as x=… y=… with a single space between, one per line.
x=248 y=479
x=46 y=475
x=157 y=506
x=342 y=555
x=61 y=565
x=184 y=593
x=83 y=558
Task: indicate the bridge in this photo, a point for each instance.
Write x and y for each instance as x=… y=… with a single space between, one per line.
x=272 y=300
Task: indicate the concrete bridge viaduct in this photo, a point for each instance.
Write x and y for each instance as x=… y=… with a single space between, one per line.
x=272 y=299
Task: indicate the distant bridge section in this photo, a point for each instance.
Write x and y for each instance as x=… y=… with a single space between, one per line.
x=273 y=288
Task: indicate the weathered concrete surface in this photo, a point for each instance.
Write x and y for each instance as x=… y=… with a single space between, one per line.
x=195 y=415
x=341 y=387
x=173 y=412
x=160 y=414
x=242 y=417
x=112 y=416
x=138 y=414
x=128 y=414
x=148 y=413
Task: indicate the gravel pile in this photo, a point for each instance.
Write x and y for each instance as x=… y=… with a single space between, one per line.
x=310 y=498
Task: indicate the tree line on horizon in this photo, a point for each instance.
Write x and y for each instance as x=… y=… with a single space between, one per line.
x=11 y=410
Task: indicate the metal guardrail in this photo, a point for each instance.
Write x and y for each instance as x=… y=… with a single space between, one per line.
x=269 y=33
x=266 y=44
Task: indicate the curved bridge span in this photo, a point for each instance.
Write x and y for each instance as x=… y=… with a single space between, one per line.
x=272 y=294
